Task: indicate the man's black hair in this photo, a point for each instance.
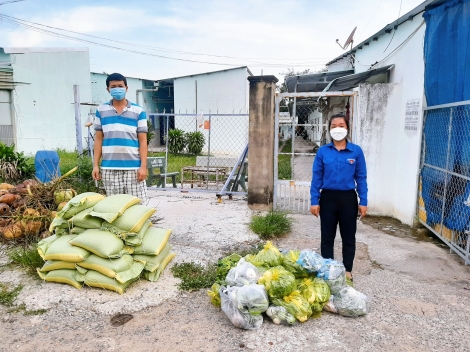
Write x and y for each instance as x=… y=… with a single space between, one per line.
x=116 y=77
x=341 y=116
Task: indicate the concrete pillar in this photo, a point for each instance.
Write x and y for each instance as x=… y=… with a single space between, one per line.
x=261 y=142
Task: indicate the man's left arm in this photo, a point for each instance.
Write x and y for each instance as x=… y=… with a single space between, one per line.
x=143 y=151
x=142 y=131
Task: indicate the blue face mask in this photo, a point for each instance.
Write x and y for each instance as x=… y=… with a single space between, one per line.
x=118 y=93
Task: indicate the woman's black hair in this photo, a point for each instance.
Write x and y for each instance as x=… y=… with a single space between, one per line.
x=338 y=116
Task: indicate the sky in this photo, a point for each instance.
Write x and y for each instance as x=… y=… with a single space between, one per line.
x=268 y=36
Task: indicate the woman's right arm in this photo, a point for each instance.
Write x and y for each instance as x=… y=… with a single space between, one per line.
x=317 y=177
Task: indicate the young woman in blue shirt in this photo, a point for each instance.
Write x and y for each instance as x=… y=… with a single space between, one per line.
x=339 y=177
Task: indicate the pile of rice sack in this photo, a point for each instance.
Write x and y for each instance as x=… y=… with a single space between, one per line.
x=289 y=287
x=105 y=242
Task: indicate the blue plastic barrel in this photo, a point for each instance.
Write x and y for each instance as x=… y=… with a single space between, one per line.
x=46 y=163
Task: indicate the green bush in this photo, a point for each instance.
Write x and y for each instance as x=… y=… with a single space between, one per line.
x=176 y=141
x=14 y=166
x=151 y=132
x=195 y=142
x=273 y=224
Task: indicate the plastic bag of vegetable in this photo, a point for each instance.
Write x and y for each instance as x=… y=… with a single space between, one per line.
x=295 y=304
x=330 y=305
x=306 y=289
x=279 y=315
x=310 y=260
x=252 y=299
x=322 y=292
x=268 y=256
x=278 y=282
x=225 y=264
x=214 y=294
x=351 y=303
x=229 y=305
x=334 y=274
x=243 y=274
x=289 y=261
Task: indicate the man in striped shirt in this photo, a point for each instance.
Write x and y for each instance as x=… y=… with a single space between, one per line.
x=121 y=142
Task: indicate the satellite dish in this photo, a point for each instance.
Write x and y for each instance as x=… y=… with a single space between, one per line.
x=350 y=40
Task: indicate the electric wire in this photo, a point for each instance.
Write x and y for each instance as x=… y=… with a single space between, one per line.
x=34 y=27
x=10 y=2
x=395 y=27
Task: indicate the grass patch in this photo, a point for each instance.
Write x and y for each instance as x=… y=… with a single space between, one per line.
x=81 y=180
x=22 y=308
x=273 y=224
x=7 y=297
x=26 y=257
x=194 y=276
x=284 y=161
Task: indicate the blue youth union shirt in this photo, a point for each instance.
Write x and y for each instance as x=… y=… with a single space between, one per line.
x=340 y=170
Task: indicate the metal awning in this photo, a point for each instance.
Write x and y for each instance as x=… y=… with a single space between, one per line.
x=352 y=81
x=313 y=82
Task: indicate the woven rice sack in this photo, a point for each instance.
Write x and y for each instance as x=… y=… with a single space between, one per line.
x=110 y=208
x=85 y=220
x=64 y=276
x=78 y=203
x=102 y=243
x=122 y=269
x=56 y=265
x=131 y=222
x=58 y=223
x=77 y=230
x=95 y=279
x=152 y=262
x=61 y=249
x=130 y=238
x=153 y=276
x=154 y=241
x=44 y=244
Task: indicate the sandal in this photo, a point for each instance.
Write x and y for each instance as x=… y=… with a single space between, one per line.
x=350 y=281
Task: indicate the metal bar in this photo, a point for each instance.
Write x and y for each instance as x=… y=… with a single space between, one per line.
x=449 y=172
x=450 y=105
x=166 y=148
x=192 y=190
x=447 y=168
x=240 y=162
x=276 y=150
x=294 y=113
x=78 y=120
x=316 y=94
x=209 y=155
x=216 y=115
x=306 y=154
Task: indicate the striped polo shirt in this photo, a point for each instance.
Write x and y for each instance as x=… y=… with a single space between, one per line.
x=120 y=149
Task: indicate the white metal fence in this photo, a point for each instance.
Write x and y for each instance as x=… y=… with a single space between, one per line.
x=301 y=125
x=444 y=187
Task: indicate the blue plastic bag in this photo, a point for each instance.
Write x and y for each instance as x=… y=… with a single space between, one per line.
x=310 y=260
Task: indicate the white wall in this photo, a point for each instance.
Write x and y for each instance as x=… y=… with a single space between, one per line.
x=341 y=65
x=44 y=113
x=217 y=92
x=395 y=146
x=101 y=95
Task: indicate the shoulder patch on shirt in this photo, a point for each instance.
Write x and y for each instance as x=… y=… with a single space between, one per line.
x=351 y=161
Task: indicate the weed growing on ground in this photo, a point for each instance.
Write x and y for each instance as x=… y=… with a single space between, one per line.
x=194 y=276
x=22 y=308
x=26 y=257
x=273 y=224
x=7 y=297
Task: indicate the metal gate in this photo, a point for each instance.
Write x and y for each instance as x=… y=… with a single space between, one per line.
x=219 y=166
x=301 y=128
x=444 y=184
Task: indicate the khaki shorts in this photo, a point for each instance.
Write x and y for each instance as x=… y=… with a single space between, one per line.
x=124 y=182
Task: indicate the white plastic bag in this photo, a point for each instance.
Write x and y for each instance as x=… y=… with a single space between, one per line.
x=252 y=299
x=229 y=305
x=279 y=315
x=334 y=274
x=243 y=274
x=351 y=303
x=330 y=305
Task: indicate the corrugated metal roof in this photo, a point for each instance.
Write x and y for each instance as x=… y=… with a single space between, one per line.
x=170 y=80
x=315 y=82
x=390 y=27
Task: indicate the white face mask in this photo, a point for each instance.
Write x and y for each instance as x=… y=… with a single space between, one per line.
x=338 y=133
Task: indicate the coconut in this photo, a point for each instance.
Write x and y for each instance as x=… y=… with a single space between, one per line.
x=63 y=195
x=12 y=231
x=6 y=186
x=61 y=206
x=9 y=198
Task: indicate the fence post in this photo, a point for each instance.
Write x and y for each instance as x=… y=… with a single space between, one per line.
x=78 y=120
x=261 y=142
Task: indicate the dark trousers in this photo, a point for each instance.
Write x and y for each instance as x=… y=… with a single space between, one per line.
x=339 y=207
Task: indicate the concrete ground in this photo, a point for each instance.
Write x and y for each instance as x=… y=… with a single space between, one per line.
x=420 y=296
